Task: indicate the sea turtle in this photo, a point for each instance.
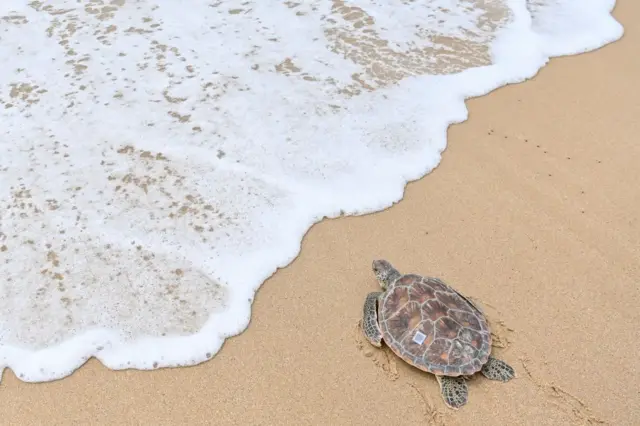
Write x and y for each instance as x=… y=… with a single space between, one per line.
x=432 y=327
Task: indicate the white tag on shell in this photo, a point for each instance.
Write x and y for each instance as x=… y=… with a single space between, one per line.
x=419 y=337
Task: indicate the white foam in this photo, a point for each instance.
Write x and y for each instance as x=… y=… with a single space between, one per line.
x=159 y=162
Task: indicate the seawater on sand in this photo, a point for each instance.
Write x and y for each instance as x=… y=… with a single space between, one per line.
x=160 y=161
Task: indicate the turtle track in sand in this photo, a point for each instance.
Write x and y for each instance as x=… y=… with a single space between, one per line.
x=501 y=333
x=564 y=400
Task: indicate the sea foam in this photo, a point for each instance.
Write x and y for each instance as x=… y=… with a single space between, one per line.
x=161 y=160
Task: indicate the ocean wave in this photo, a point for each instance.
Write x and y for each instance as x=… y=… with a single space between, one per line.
x=160 y=161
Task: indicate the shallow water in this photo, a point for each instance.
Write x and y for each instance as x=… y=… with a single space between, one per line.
x=159 y=162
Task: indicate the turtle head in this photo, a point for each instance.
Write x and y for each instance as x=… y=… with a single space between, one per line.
x=385 y=273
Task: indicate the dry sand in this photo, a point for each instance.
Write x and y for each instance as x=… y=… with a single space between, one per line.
x=533 y=211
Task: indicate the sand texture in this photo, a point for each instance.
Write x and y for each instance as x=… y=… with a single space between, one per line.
x=533 y=212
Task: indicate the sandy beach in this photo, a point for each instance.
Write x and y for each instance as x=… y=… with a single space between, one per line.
x=533 y=212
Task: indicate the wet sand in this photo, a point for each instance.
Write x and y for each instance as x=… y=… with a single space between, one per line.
x=533 y=212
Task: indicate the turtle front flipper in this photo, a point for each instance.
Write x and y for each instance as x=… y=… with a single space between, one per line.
x=370 y=319
x=454 y=391
x=499 y=370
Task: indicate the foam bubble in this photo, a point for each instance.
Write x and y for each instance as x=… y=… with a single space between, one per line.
x=160 y=161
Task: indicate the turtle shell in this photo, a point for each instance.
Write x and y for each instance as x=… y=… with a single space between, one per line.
x=434 y=328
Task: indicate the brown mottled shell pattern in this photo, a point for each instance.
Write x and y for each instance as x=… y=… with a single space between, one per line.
x=427 y=323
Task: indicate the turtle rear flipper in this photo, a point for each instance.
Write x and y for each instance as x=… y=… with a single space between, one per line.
x=455 y=391
x=499 y=370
